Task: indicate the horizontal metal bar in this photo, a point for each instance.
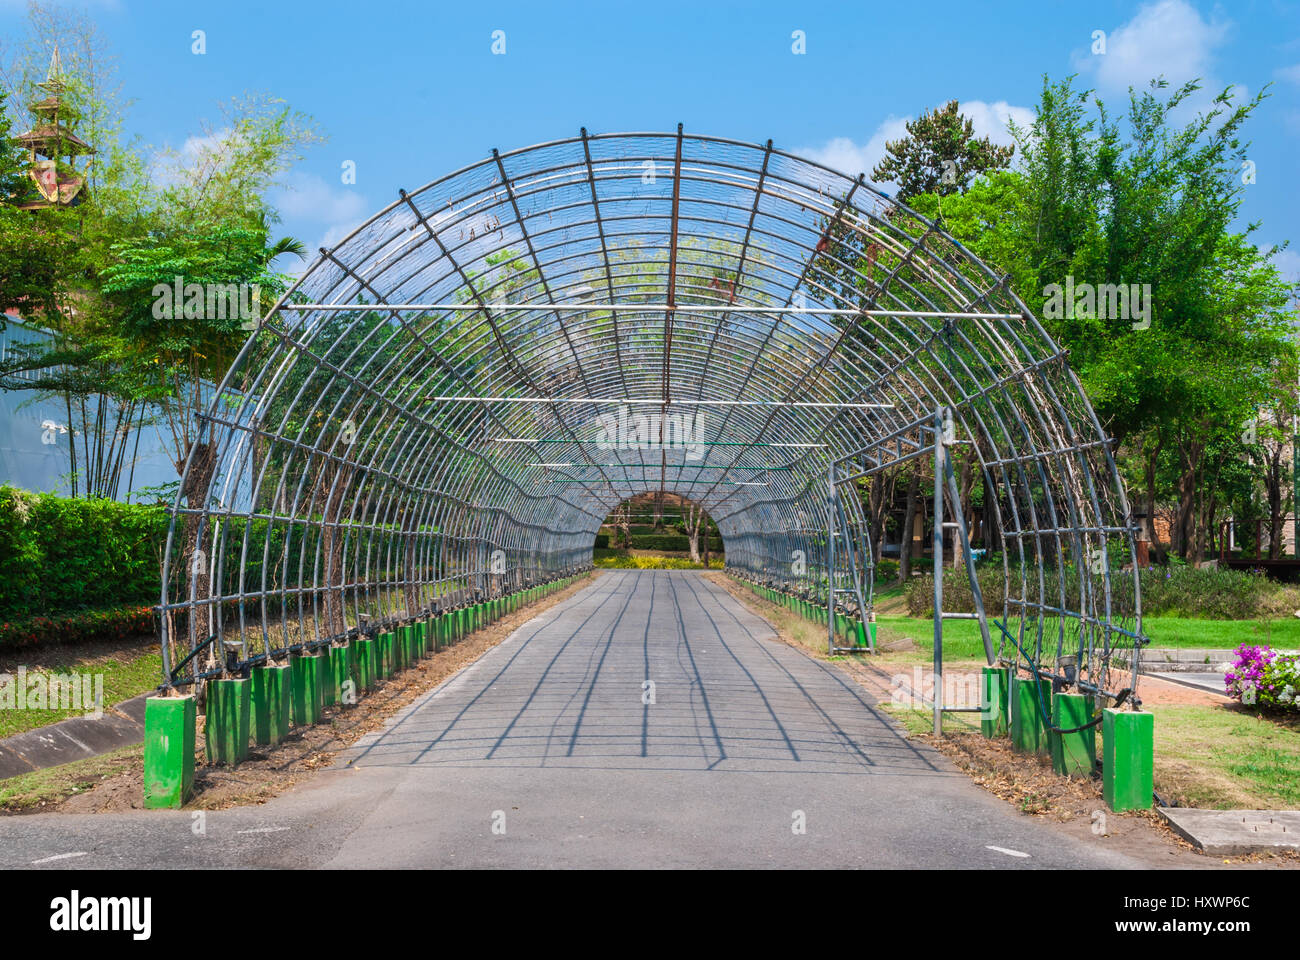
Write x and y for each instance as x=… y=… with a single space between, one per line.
x=597 y=481
x=664 y=446
x=663 y=403
x=650 y=308
x=663 y=466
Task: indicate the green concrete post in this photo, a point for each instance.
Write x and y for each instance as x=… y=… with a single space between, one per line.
x=1073 y=754
x=304 y=683
x=365 y=665
x=392 y=653
x=1046 y=737
x=387 y=643
x=1025 y=723
x=354 y=666
x=271 y=704
x=993 y=701
x=1128 y=755
x=168 y=751
x=340 y=685
x=329 y=694
x=226 y=729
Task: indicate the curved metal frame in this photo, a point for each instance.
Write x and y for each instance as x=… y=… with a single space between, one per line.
x=433 y=411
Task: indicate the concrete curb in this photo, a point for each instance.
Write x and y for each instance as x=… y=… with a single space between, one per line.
x=76 y=738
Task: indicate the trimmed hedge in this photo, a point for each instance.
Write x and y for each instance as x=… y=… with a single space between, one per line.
x=83 y=626
x=62 y=555
x=1174 y=591
x=670 y=543
x=602 y=541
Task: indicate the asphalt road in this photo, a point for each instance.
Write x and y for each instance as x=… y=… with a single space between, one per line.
x=551 y=751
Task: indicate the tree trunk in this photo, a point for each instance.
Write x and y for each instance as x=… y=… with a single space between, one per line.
x=1149 y=469
x=197 y=563
x=909 y=519
x=332 y=550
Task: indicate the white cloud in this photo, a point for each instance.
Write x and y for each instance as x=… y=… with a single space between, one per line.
x=848 y=156
x=1291 y=74
x=308 y=197
x=1288 y=264
x=1168 y=38
x=990 y=119
x=309 y=206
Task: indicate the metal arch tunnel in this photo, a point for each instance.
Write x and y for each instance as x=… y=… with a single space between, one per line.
x=451 y=400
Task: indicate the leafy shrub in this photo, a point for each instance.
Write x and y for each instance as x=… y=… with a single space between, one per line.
x=83 y=626
x=61 y=554
x=887 y=570
x=1264 y=677
x=669 y=542
x=1176 y=591
x=1218 y=594
x=602 y=541
x=626 y=562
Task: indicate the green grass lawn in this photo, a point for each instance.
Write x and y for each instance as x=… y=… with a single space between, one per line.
x=1226 y=757
x=125 y=676
x=961 y=638
x=53 y=784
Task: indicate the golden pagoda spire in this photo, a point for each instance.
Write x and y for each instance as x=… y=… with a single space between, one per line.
x=52 y=145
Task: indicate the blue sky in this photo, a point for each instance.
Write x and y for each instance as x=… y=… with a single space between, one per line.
x=410 y=91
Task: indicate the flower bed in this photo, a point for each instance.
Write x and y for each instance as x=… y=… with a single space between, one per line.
x=83 y=626
x=1264 y=677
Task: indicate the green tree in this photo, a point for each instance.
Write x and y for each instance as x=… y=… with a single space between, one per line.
x=939 y=155
x=1091 y=204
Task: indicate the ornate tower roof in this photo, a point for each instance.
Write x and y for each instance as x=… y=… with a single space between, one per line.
x=52 y=145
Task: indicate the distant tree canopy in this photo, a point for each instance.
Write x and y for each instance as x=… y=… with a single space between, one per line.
x=1205 y=348
x=940 y=155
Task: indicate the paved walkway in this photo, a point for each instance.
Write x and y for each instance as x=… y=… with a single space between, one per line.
x=544 y=753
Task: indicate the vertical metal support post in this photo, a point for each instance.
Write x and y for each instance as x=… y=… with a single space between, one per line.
x=1295 y=482
x=830 y=560
x=936 y=541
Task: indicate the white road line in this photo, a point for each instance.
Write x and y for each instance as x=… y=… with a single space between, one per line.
x=61 y=856
x=263 y=830
x=1009 y=853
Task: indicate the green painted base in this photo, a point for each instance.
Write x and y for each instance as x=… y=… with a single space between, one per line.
x=366 y=665
x=272 y=704
x=1128 y=756
x=340 y=689
x=994 y=701
x=1073 y=754
x=228 y=716
x=1025 y=722
x=169 y=724
x=306 y=689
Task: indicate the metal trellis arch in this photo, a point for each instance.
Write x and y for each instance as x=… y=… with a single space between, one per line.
x=448 y=403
